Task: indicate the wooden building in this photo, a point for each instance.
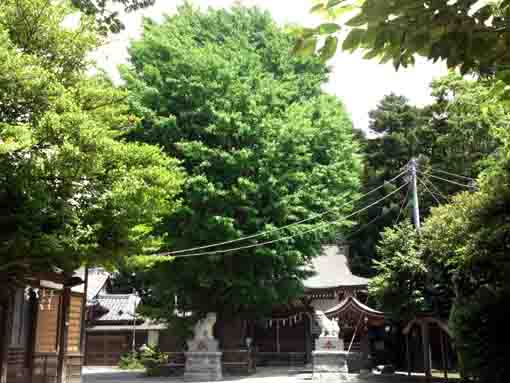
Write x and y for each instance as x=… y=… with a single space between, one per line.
x=40 y=330
x=112 y=326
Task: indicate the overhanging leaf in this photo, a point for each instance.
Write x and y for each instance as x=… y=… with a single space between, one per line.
x=317 y=8
x=298 y=46
x=353 y=39
x=309 y=46
x=329 y=48
x=333 y=3
x=357 y=21
x=328 y=28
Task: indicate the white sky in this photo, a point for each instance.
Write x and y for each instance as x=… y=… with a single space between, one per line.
x=359 y=83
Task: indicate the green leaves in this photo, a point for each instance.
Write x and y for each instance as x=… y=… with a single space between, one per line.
x=468 y=35
x=262 y=144
x=353 y=39
x=328 y=28
x=70 y=191
x=401 y=277
x=329 y=48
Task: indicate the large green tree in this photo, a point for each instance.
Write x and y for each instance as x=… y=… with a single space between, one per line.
x=262 y=144
x=70 y=191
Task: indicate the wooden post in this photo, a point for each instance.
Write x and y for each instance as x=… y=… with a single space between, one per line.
x=83 y=336
x=5 y=338
x=63 y=326
x=426 y=350
x=408 y=355
x=278 y=336
x=34 y=314
x=443 y=353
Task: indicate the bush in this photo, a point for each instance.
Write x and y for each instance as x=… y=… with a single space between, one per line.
x=478 y=322
x=130 y=361
x=153 y=360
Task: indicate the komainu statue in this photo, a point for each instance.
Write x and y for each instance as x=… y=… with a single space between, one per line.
x=328 y=327
x=204 y=327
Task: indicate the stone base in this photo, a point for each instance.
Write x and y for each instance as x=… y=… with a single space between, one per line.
x=203 y=345
x=334 y=377
x=330 y=362
x=202 y=366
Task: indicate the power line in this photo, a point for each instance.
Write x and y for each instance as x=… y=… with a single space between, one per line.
x=282 y=227
x=449 y=181
x=427 y=189
x=438 y=192
x=287 y=237
x=363 y=227
x=453 y=174
x=402 y=206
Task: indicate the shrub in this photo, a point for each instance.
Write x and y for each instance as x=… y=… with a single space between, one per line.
x=130 y=361
x=153 y=360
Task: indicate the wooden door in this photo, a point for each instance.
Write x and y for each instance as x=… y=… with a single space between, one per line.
x=105 y=349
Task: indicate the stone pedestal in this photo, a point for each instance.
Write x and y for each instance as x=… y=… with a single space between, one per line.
x=330 y=361
x=202 y=366
x=330 y=366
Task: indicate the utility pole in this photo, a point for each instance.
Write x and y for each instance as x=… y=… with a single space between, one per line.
x=424 y=326
x=416 y=206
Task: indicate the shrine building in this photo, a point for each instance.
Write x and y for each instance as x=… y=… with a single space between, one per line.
x=288 y=337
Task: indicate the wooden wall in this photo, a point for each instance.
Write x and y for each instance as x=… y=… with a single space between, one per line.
x=45 y=368
x=74 y=331
x=40 y=366
x=46 y=336
x=16 y=368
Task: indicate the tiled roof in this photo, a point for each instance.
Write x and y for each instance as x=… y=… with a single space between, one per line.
x=351 y=303
x=332 y=270
x=97 y=280
x=117 y=307
x=147 y=325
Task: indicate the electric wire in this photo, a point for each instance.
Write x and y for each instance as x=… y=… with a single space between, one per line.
x=449 y=181
x=283 y=227
x=363 y=227
x=453 y=174
x=320 y=226
x=405 y=202
x=428 y=190
x=436 y=189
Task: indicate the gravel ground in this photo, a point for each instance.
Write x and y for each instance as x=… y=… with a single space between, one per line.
x=263 y=375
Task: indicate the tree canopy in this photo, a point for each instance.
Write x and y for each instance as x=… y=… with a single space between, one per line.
x=263 y=147
x=463 y=255
x=70 y=190
x=451 y=134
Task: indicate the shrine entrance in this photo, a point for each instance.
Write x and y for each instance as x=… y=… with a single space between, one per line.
x=360 y=328
x=283 y=341
x=429 y=346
